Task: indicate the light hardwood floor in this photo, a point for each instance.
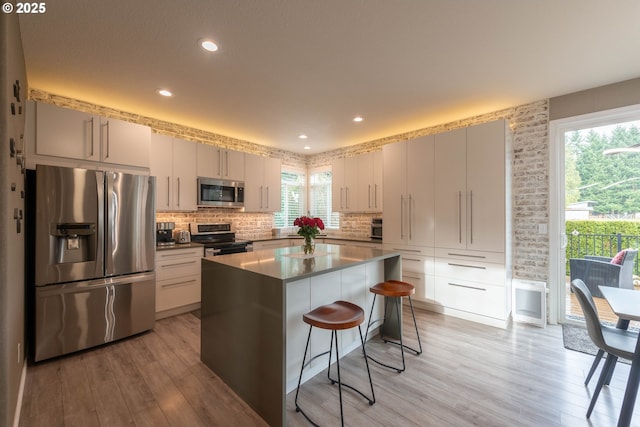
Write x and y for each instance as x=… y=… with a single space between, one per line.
x=469 y=375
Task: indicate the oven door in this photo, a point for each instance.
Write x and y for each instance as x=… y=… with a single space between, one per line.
x=225 y=250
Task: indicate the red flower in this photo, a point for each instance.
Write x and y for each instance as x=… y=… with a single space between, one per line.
x=309 y=227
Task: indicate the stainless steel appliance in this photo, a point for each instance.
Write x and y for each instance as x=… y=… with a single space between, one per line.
x=218 y=239
x=220 y=193
x=94 y=256
x=164 y=233
x=183 y=236
x=376 y=228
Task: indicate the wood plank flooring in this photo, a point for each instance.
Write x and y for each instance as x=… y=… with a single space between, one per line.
x=469 y=375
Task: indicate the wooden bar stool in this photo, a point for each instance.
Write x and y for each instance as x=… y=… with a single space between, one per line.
x=398 y=289
x=337 y=316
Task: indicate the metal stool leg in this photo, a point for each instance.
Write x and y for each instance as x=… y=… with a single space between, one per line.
x=334 y=338
x=401 y=344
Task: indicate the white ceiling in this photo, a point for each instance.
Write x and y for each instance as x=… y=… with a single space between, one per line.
x=287 y=67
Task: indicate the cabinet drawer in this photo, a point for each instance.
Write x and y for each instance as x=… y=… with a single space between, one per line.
x=467 y=255
x=171 y=268
x=474 y=271
x=177 y=292
x=417 y=263
x=425 y=289
x=472 y=297
x=179 y=253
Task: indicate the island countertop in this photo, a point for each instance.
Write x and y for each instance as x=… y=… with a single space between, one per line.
x=288 y=264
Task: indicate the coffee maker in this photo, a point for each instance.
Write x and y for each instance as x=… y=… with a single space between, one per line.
x=164 y=233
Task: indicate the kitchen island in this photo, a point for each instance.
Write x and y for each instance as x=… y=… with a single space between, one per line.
x=252 y=334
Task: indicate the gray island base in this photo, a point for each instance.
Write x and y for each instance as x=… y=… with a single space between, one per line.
x=253 y=336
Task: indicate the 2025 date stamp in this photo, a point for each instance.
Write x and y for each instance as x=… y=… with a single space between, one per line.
x=22 y=8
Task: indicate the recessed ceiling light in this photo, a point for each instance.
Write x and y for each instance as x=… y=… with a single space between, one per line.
x=165 y=92
x=306 y=147
x=357 y=119
x=208 y=45
x=302 y=136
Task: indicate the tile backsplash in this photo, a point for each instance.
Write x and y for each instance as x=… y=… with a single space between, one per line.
x=254 y=226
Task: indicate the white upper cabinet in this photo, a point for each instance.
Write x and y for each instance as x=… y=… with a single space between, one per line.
x=344 y=184
x=262 y=184
x=357 y=183
x=470 y=188
x=172 y=163
x=408 y=200
x=216 y=162
x=71 y=134
x=370 y=182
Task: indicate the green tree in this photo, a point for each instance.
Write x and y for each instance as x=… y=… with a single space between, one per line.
x=611 y=181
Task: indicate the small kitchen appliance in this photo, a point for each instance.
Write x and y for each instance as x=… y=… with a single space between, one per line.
x=218 y=239
x=183 y=236
x=164 y=233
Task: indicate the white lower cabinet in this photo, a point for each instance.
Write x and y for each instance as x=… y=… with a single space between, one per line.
x=473 y=285
x=417 y=269
x=177 y=280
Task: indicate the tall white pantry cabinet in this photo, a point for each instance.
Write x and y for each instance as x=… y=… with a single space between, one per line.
x=465 y=259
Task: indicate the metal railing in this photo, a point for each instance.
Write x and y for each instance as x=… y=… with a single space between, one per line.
x=579 y=245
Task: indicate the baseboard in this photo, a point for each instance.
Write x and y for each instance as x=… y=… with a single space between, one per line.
x=23 y=381
x=485 y=320
x=177 y=310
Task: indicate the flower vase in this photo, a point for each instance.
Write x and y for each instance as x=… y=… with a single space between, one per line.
x=309 y=247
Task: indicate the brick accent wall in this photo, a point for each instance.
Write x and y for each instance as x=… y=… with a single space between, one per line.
x=530 y=175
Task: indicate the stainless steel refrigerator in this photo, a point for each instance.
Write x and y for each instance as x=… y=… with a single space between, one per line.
x=94 y=257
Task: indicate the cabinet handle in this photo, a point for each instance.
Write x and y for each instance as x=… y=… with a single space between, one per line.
x=346 y=197
x=466 y=286
x=168 y=190
x=407 y=250
x=375 y=195
x=261 y=197
x=410 y=217
x=465 y=255
x=178 y=191
x=467 y=266
x=179 y=263
x=411 y=277
x=401 y=217
x=91 y=121
x=107 y=125
x=219 y=162
x=471 y=214
x=181 y=254
x=267 y=192
x=369 y=192
x=226 y=158
x=411 y=259
x=171 y=285
x=460 y=217
x=341 y=198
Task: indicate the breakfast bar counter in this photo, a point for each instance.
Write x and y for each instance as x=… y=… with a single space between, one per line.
x=252 y=304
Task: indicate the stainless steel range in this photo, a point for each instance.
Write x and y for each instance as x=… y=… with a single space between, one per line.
x=218 y=239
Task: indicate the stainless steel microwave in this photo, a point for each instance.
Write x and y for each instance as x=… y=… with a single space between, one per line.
x=220 y=193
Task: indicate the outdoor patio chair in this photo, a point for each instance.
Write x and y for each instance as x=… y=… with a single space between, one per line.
x=597 y=271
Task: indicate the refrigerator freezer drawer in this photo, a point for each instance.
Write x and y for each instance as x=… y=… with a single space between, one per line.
x=75 y=316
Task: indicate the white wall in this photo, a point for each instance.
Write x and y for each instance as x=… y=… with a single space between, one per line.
x=12 y=307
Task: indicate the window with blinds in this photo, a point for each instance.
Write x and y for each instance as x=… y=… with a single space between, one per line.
x=293 y=195
x=320 y=197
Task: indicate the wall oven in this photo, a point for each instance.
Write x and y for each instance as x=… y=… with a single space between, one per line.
x=220 y=193
x=376 y=228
